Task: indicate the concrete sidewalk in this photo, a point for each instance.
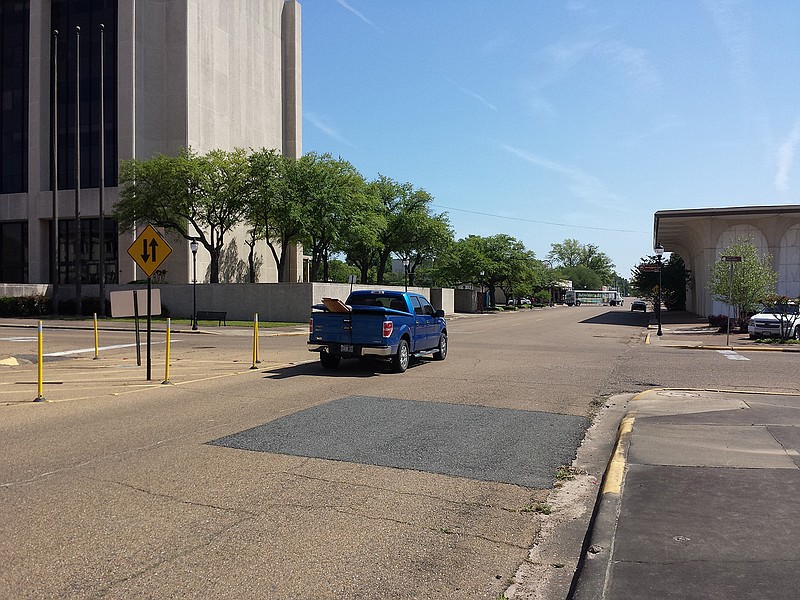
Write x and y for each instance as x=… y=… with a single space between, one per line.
x=700 y=501
x=681 y=329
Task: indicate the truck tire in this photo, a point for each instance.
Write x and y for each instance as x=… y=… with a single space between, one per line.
x=328 y=360
x=441 y=353
x=401 y=359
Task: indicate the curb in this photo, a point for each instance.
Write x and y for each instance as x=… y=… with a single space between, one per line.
x=591 y=574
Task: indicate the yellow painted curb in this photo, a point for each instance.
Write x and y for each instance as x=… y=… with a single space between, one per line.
x=612 y=482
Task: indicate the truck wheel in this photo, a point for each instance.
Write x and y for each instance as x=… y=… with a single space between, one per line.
x=441 y=353
x=797 y=332
x=400 y=360
x=328 y=360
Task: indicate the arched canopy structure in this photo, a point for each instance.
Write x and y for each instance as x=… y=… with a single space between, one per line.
x=699 y=236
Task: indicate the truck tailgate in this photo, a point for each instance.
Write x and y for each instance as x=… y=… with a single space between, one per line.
x=337 y=328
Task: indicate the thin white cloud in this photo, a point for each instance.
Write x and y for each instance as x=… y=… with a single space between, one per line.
x=474 y=95
x=317 y=122
x=583 y=185
x=346 y=6
x=634 y=63
x=786 y=158
x=734 y=30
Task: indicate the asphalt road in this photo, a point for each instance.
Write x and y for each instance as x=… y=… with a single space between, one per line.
x=126 y=488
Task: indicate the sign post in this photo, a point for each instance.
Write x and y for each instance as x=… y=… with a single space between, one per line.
x=731 y=260
x=148 y=251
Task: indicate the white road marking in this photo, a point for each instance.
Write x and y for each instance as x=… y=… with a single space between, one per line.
x=731 y=355
x=19 y=339
x=87 y=350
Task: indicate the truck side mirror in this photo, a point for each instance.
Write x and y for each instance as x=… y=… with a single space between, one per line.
x=439 y=313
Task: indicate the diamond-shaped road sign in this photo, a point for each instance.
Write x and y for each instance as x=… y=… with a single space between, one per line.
x=149 y=250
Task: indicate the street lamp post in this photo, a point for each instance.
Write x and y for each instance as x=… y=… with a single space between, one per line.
x=659 y=251
x=405 y=273
x=483 y=298
x=193 y=245
x=550 y=282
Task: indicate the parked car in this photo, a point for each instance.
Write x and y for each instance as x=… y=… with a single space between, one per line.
x=520 y=302
x=639 y=305
x=767 y=323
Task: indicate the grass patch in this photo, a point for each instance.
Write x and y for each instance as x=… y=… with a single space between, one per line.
x=541 y=508
x=567 y=473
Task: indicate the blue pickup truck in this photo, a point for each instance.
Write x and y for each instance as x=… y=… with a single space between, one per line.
x=376 y=323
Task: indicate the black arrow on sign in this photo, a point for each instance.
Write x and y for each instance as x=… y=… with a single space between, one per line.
x=153 y=246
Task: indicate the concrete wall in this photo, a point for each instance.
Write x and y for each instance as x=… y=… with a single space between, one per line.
x=272 y=301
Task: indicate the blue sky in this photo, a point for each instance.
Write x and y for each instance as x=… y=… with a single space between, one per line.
x=548 y=120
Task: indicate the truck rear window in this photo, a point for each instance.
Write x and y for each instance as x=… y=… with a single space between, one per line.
x=393 y=302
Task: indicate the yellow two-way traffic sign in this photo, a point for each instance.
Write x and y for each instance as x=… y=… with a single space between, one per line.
x=149 y=250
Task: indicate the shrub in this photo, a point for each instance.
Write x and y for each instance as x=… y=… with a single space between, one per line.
x=25 y=306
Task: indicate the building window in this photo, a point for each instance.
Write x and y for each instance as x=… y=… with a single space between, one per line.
x=14 y=252
x=90 y=251
x=65 y=16
x=14 y=16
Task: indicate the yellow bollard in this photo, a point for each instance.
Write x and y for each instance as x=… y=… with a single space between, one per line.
x=255 y=341
x=96 y=345
x=39 y=397
x=166 y=369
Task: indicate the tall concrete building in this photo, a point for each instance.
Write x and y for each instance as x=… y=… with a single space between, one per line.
x=203 y=74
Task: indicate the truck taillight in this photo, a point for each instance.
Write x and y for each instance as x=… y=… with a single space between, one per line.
x=388 y=327
x=311 y=326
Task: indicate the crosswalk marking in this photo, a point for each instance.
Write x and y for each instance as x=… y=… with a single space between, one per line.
x=731 y=355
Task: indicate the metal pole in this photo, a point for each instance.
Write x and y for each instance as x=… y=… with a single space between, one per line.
x=102 y=183
x=54 y=174
x=136 y=327
x=149 y=324
x=77 y=240
x=660 y=264
x=194 y=286
x=730 y=301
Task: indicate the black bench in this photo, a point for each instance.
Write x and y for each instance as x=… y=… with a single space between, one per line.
x=212 y=315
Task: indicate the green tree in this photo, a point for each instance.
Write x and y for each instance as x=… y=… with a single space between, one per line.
x=753 y=279
x=331 y=189
x=498 y=261
x=566 y=254
x=582 y=277
x=421 y=237
x=571 y=253
x=675 y=279
x=276 y=210
x=201 y=196
x=339 y=271
x=359 y=241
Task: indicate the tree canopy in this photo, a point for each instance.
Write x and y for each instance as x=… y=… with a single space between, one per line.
x=196 y=196
x=753 y=278
x=325 y=204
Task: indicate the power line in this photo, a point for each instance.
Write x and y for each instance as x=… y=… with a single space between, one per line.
x=483 y=214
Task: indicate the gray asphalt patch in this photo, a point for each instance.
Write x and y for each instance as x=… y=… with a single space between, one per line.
x=491 y=444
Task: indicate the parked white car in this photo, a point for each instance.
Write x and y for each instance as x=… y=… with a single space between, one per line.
x=768 y=324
